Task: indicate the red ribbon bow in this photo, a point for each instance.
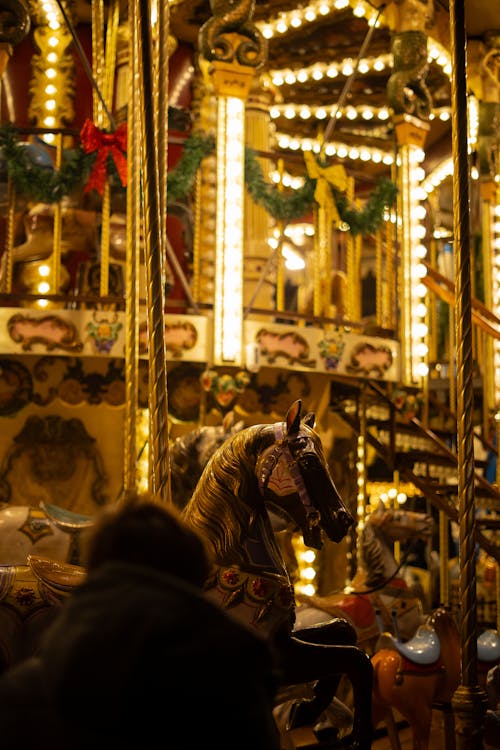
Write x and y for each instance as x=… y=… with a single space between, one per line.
x=115 y=144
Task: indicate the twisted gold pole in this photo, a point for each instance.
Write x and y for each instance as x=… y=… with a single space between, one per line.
x=469 y=701
x=159 y=452
x=132 y=265
x=162 y=112
x=9 y=238
x=57 y=235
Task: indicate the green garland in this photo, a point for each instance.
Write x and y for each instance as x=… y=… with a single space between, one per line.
x=49 y=186
x=39 y=183
x=180 y=179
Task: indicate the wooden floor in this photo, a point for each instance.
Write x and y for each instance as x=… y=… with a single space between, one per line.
x=304 y=739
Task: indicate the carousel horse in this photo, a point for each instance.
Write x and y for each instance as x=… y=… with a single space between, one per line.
x=29 y=599
x=280 y=469
x=418 y=674
x=189 y=455
x=377 y=598
x=259 y=472
x=54 y=532
x=50 y=537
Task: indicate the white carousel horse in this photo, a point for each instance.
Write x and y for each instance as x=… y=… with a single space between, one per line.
x=49 y=537
x=378 y=597
x=54 y=532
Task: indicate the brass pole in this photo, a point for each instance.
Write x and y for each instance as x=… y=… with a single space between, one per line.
x=351 y=269
x=158 y=446
x=98 y=59
x=161 y=109
x=57 y=235
x=132 y=265
x=444 y=573
x=9 y=239
x=469 y=701
x=379 y=289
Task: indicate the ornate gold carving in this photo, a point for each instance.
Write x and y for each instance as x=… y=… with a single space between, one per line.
x=407 y=90
x=51 y=330
x=229 y=36
x=15 y=22
x=410 y=131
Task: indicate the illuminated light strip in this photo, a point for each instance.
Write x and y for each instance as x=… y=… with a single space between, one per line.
x=50 y=16
x=434 y=179
x=342 y=150
x=182 y=82
x=321 y=70
x=361 y=482
x=496 y=289
x=306 y=572
x=413 y=216
x=291 y=20
x=228 y=310
x=361 y=112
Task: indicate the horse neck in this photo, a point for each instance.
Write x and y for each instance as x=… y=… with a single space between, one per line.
x=449 y=638
x=377 y=556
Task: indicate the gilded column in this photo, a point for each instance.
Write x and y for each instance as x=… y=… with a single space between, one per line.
x=484 y=60
x=235 y=50
x=411 y=102
x=258 y=223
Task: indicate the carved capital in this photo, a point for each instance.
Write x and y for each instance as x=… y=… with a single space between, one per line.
x=407 y=90
x=230 y=36
x=15 y=21
x=410 y=131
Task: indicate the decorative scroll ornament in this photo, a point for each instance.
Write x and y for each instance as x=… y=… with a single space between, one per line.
x=407 y=91
x=326 y=177
x=15 y=22
x=218 y=38
x=106 y=144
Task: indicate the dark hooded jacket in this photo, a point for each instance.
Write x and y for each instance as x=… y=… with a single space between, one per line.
x=140 y=659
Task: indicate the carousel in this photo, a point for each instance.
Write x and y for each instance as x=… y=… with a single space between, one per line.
x=266 y=230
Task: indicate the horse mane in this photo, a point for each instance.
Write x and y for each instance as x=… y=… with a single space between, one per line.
x=224 y=504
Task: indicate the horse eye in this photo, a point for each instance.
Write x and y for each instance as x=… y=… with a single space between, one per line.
x=308 y=461
x=298 y=445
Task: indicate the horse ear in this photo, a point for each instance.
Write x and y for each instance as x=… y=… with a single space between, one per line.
x=310 y=420
x=293 y=417
x=228 y=422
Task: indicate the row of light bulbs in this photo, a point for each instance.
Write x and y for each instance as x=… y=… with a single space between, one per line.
x=347 y=66
x=53 y=18
x=305 y=112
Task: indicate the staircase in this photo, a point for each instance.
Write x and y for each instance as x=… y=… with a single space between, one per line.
x=423 y=456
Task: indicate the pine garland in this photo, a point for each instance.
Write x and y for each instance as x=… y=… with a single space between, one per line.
x=280 y=205
x=180 y=179
x=40 y=183
x=49 y=186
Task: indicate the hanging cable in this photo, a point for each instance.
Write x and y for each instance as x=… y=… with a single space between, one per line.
x=347 y=86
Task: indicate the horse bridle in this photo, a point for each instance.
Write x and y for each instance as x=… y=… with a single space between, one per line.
x=280 y=449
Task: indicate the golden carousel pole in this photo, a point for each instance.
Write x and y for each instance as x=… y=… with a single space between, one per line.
x=469 y=701
x=159 y=476
x=11 y=34
x=130 y=477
